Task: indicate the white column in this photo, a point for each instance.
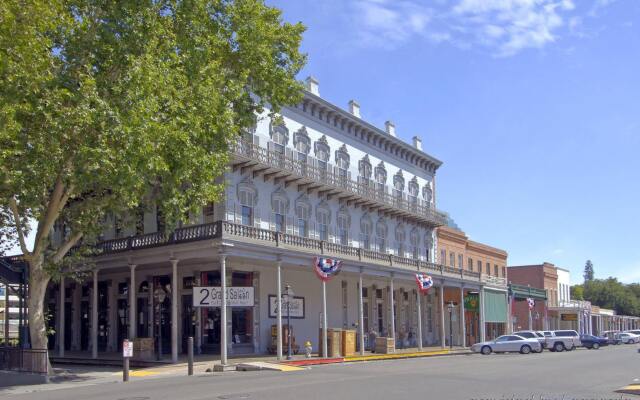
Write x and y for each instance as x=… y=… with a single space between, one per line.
x=133 y=302
x=279 y=309
x=419 y=310
x=393 y=311
x=579 y=319
x=223 y=309
x=361 y=313
x=174 y=310
x=483 y=336
x=463 y=327
x=443 y=332
x=94 y=316
x=61 y=317
x=324 y=320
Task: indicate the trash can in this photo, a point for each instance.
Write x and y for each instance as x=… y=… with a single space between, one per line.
x=334 y=343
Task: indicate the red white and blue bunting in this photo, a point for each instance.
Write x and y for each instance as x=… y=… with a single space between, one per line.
x=531 y=302
x=424 y=282
x=326 y=268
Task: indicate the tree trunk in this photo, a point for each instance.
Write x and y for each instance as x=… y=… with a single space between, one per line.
x=38 y=281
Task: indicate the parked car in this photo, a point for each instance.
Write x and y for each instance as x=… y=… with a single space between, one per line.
x=612 y=337
x=593 y=342
x=508 y=343
x=547 y=333
x=634 y=331
x=533 y=335
x=563 y=340
x=629 y=338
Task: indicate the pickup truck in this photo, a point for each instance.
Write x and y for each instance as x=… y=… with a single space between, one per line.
x=563 y=340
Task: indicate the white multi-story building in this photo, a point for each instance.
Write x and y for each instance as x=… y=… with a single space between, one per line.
x=317 y=182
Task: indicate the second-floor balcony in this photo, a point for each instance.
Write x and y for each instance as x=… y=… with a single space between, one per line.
x=250 y=235
x=313 y=175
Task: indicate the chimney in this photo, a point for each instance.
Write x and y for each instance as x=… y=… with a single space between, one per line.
x=354 y=108
x=417 y=143
x=312 y=85
x=390 y=128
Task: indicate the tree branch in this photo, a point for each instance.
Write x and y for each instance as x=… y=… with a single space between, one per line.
x=13 y=205
x=50 y=216
x=62 y=250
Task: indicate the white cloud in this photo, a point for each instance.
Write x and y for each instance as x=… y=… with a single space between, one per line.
x=505 y=27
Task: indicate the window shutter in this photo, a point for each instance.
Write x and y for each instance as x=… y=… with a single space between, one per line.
x=332 y=234
x=272 y=222
x=230 y=209
x=313 y=234
x=257 y=222
x=238 y=213
x=289 y=226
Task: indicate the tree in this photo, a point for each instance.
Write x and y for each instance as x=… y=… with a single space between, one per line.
x=577 y=292
x=588 y=271
x=107 y=106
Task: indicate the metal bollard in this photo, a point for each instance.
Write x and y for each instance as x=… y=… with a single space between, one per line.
x=190 y=355
x=125 y=370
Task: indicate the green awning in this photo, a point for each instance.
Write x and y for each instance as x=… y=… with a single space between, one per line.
x=495 y=306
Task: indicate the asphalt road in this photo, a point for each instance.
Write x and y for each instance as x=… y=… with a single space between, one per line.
x=580 y=374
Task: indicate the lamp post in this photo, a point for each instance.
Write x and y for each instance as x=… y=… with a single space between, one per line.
x=450 y=307
x=288 y=292
x=160 y=295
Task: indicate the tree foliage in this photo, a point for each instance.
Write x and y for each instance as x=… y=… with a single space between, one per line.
x=588 y=271
x=610 y=293
x=106 y=106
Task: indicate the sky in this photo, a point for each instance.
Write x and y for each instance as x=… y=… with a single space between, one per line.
x=532 y=105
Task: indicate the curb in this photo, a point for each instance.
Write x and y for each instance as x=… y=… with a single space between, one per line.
x=634 y=388
x=381 y=357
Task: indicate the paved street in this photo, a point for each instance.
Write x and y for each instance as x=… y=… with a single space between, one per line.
x=581 y=374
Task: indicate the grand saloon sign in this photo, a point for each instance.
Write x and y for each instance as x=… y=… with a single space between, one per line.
x=211 y=296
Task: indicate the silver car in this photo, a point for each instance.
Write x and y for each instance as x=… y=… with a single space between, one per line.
x=508 y=343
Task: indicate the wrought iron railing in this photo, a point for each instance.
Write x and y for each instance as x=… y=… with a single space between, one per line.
x=24 y=360
x=224 y=229
x=329 y=175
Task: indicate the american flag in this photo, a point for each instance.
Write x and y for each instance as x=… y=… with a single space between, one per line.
x=326 y=268
x=531 y=302
x=424 y=282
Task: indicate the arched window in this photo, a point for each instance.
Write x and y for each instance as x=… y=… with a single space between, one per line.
x=342 y=162
x=413 y=190
x=323 y=217
x=414 y=238
x=279 y=136
x=381 y=235
x=398 y=184
x=302 y=143
x=366 y=230
x=429 y=246
x=279 y=209
x=381 y=177
x=344 y=225
x=364 y=169
x=303 y=213
x=248 y=198
x=400 y=239
x=427 y=193
x=321 y=149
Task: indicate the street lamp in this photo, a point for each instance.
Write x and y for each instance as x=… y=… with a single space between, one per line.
x=288 y=293
x=450 y=307
x=160 y=295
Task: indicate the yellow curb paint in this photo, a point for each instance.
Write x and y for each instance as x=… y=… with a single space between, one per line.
x=630 y=389
x=143 y=373
x=288 y=368
x=396 y=356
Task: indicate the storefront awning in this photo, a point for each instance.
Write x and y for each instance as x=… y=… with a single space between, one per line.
x=495 y=306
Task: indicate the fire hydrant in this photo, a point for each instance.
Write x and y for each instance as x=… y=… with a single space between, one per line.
x=307 y=349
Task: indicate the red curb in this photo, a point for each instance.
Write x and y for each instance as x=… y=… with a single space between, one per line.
x=320 y=361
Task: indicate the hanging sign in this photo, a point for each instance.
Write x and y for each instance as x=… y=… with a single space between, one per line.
x=326 y=268
x=425 y=282
x=294 y=305
x=237 y=296
x=531 y=302
x=471 y=302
